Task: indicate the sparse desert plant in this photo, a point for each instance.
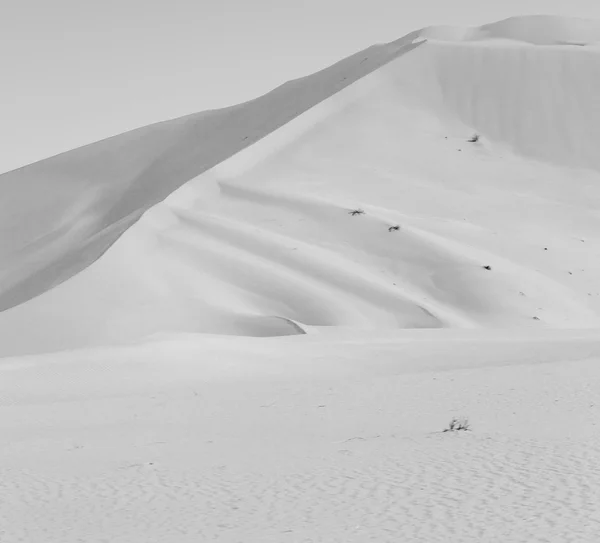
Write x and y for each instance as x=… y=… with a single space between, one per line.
x=394 y=228
x=458 y=425
x=474 y=138
x=354 y=212
x=488 y=268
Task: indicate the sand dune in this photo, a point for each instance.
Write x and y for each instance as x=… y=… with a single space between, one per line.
x=81 y=201
x=147 y=282
x=265 y=237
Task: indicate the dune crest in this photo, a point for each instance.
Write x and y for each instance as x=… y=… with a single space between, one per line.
x=532 y=29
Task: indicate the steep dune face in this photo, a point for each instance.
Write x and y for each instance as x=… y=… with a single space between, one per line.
x=502 y=232
x=540 y=100
x=59 y=215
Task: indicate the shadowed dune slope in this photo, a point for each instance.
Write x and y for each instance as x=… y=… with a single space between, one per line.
x=60 y=214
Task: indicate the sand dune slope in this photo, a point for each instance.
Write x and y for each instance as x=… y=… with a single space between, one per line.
x=60 y=214
x=263 y=243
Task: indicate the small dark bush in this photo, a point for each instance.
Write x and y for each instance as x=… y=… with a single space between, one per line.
x=354 y=212
x=458 y=425
x=394 y=228
x=474 y=138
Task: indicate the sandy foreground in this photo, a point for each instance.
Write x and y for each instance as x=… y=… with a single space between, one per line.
x=254 y=324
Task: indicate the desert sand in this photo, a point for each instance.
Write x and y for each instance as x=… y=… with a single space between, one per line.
x=254 y=324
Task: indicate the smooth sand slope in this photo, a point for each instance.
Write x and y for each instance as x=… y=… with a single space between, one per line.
x=266 y=236
x=79 y=202
x=466 y=283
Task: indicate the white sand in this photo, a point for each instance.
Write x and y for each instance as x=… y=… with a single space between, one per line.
x=144 y=395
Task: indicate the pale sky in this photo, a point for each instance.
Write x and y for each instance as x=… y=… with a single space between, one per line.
x=76 y=71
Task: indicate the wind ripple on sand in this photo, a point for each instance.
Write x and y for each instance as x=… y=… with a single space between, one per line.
x=468 y=488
